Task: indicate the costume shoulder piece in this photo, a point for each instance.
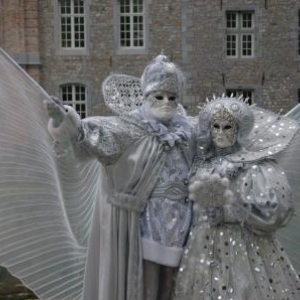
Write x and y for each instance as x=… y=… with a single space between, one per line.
x=271 y=134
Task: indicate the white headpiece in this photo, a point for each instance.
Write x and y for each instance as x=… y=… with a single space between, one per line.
x=162 y=75
x=261 y=133
x=123 y=93
x=238 y=109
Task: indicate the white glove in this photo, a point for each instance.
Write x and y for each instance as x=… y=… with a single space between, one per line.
x=210 y=190
x=55 y=110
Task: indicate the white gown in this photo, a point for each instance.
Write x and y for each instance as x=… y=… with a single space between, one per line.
x=241 y=259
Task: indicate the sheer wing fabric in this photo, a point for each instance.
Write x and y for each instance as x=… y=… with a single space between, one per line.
x=45 y=205
x=289 y=160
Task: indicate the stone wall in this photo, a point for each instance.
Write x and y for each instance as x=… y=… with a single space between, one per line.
x=164 y=32
x=273 y=73
x=192 y=33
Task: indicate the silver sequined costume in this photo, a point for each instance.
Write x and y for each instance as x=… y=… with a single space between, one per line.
x=239 y=258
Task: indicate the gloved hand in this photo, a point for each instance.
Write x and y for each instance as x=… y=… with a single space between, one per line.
x=210 y=190
x=55 y=110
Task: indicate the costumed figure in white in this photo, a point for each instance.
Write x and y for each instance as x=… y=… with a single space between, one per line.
x=241 y=197
x=146 y=157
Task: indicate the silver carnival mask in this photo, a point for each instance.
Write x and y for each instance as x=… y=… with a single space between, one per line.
x=223 y=128
x=163 y=105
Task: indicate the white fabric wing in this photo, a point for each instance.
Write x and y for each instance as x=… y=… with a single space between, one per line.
x=45 y=206
x=122 y=93
x=289 y=161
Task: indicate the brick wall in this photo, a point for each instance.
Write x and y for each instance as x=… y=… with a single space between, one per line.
x=19 y=33
x=12 y=26
x=191 y=32
x=164 y=21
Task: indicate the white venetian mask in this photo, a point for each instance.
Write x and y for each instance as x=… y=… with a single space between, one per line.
x=223 y=129
x=163 y=105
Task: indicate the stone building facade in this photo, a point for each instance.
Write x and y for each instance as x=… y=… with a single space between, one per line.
x=248 y=47
x=268 y=73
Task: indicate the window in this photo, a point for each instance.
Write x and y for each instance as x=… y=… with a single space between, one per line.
x=75 y=96
x=131 y=24
x=246 y=93
x=239 y=34
x=72 y=24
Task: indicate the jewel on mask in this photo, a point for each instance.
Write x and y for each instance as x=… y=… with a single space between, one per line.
x=223 y=114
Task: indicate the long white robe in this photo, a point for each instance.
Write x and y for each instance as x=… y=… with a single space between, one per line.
x=132 y=159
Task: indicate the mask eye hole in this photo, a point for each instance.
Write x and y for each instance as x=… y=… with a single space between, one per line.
x=216 y=126
x=227 y=127
x=158 y=97
x=172 y=98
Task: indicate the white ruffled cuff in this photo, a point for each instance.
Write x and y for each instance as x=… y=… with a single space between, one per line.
x=160 y=254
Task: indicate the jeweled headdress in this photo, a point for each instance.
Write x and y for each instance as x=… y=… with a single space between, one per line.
x=223 y=114
x=239 y=110
x=261 y=133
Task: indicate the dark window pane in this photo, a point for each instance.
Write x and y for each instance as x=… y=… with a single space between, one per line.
x=231 y=19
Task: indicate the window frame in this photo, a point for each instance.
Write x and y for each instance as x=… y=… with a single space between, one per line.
x=252 y=45
x=236 y=45
x=58 y=33
x=240 y=31
x=72 y=16
x=127 y=50
x=132 y=15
